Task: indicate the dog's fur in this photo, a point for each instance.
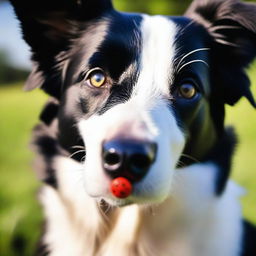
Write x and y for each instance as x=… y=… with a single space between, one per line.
x=185 y=205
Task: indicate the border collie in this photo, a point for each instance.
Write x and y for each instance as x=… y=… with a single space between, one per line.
x=132 y=146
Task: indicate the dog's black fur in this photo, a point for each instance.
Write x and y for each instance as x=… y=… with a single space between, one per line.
x=59 y=35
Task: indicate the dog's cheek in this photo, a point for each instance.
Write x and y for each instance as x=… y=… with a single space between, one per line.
x=95 y=179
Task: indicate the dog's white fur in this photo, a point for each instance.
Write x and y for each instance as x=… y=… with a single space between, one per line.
x=190 y=222
x=157 y=58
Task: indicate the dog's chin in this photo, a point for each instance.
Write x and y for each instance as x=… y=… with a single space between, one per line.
x=142 y=194
x=153 y=189
x=143 y=199
x=117 y=202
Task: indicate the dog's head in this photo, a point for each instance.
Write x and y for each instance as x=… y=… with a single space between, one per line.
x=143 y=92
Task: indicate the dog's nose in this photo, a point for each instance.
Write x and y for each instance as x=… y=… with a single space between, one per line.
x=127 y=158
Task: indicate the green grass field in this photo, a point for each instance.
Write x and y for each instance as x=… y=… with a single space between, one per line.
x=19 y=211
x=20 y=215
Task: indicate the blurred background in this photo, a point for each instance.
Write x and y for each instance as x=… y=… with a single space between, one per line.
x=20 y=213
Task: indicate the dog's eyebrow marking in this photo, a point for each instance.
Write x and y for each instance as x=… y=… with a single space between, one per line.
x=190 y=53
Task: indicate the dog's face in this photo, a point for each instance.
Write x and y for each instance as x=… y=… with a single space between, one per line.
x=137 y=84
x=144 y=93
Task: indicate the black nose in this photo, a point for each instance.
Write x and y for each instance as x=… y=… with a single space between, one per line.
x=126 y=158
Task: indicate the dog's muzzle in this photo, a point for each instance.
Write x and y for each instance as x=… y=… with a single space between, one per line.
x=128 y=158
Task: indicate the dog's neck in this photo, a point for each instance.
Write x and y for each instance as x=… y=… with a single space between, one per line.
x=79 y=225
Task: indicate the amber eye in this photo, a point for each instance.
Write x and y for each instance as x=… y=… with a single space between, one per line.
x=96 y=78
x=187 y=91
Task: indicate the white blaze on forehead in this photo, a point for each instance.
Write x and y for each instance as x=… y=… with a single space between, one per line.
x=158 y=51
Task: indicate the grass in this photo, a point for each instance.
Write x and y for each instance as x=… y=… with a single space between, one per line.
x=20 y=215
x=19 y=211
x=243 y=117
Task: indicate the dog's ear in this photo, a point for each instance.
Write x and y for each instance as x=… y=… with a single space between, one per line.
x=232 y=24
x=48 y=27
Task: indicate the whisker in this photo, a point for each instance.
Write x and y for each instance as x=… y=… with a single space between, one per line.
x=224 y=27
x=104 y=208
x=79 y=151
x=226 y=42
x=191 y=52
x=222 y=39
x=190 y=62
x=82 y=159
x=218 y=35
x=182 y=30
x=180 y=164
x=78 y=146
x=191 y=158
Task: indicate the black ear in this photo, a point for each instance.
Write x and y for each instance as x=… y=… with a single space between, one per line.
x=48 y=27
x=232 y=24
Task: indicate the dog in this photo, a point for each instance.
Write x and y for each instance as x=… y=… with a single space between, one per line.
x=131 y=145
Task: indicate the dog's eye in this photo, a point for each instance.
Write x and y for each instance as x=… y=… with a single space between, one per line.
x=187 y=91
x=96 y=78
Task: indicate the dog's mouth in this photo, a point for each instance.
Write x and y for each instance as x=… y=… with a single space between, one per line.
x=130 y=171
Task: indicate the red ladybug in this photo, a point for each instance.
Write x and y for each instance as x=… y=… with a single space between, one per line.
x=121 y=187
